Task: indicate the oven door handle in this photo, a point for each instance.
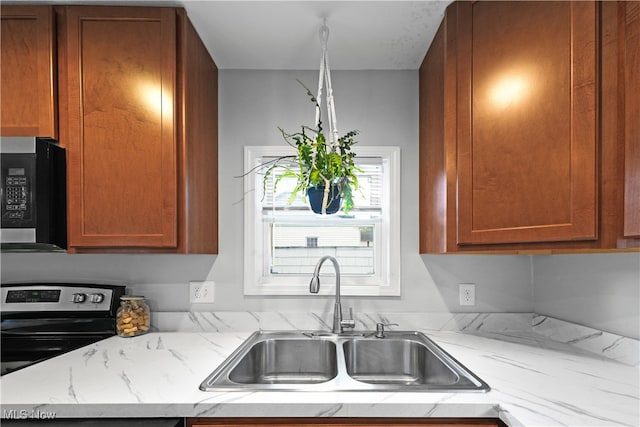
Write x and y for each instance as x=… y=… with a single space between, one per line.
x=56 y=333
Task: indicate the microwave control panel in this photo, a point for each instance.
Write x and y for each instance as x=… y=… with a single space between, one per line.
x=17 y=190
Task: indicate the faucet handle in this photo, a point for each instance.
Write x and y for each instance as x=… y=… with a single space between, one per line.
x=348 y=323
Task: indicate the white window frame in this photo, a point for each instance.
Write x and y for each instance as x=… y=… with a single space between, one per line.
x=386 y=282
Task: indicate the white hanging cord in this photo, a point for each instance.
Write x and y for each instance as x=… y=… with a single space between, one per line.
x=324 y=77
x=323 y=44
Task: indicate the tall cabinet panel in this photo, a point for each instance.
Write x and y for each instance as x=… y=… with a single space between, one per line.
x=526 y=122
x=198 y=143
x=27 y=72
x=433 y=189
x=631 y=23
x=120 y=126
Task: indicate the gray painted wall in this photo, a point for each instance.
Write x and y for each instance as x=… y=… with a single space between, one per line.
x=383 y=105
x=597 y=290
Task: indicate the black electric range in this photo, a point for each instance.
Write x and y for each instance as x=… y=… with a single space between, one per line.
x=44 y=320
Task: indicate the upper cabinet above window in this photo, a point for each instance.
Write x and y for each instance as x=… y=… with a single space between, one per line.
x=520 y=141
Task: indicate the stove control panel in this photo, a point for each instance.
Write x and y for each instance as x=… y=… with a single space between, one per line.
x=51 y=297
x=35 y=295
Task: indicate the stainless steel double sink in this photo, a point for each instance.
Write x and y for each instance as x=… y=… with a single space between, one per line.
x=322 y=361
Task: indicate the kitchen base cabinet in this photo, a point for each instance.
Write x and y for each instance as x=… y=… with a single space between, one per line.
x=28 y=74
x=139 y=121
x=344 y=422
x=102 y=422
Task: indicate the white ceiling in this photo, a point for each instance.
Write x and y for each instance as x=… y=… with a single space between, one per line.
x=284 y=34
x=387 y=35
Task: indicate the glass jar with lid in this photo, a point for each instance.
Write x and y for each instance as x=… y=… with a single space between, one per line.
x=133 y=317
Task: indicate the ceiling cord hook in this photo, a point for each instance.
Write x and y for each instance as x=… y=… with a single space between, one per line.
x=324 y=34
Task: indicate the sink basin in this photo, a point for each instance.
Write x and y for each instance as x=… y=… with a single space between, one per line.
x=287 y=361
x=396 y=361
x=321 y=361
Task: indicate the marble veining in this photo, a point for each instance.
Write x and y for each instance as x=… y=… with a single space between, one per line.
x=623 y=349
x=127 y=381
x=535 y=380
x=251 y=321
x=70 y=390
x=521 y=326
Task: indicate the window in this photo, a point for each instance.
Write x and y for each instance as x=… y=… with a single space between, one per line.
x=312 y=242
x=284 y=240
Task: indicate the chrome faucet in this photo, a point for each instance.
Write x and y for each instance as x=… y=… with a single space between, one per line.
x=314 y=287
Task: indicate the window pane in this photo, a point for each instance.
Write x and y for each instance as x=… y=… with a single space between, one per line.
x=283 y=242
x=297 y=248
x=366 y=198
x=299 y=238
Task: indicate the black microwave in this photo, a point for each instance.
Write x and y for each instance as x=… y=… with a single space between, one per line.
x=33 y=195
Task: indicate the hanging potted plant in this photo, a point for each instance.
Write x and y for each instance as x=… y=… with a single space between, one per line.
x=323 y=165
x=324 y=170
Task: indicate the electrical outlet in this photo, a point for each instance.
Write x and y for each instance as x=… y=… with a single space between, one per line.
x=201 y=292
x=467 y=293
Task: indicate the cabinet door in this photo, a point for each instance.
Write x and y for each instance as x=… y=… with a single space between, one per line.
x=27 y=72
x=632 y=119
x=526 y=122
x=120 y=79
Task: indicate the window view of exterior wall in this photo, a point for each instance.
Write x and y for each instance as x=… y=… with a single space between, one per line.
x=284 y=238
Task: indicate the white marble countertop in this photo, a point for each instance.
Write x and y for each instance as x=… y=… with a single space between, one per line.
x=534 y=382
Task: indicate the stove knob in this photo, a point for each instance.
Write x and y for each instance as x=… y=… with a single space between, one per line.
x=96 y=298
x=78 y=298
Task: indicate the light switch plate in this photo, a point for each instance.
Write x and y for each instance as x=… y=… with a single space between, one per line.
x=202 y=292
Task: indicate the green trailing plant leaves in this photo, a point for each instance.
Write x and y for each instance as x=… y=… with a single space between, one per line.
x=319 y=163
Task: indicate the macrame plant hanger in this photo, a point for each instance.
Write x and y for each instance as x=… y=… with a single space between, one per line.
x=324 y=78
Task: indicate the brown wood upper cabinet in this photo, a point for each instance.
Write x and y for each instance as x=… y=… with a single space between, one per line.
x=515 y=154
x=27 y=72
x=138 y=117
x=630 y=22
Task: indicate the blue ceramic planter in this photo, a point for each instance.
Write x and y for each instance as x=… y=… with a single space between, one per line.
x=316 y=195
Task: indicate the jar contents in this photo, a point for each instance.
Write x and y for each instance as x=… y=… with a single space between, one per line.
x=132 y=318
